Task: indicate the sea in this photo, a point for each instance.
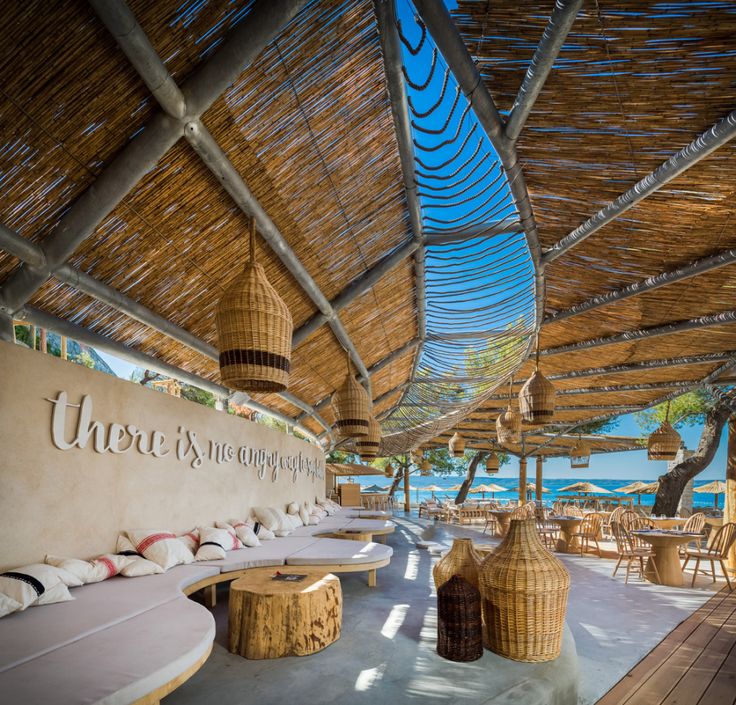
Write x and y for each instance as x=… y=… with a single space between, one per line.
x=418 y=493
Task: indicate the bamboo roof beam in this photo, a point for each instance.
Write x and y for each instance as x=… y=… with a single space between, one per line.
x=701 y=266
x=698 y=149
x=612 y=389
x=716 y=319
x=555 y=33
x=142 y=152
x=100 y=342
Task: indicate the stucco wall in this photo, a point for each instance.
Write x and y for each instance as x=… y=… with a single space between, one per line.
x=73 y=502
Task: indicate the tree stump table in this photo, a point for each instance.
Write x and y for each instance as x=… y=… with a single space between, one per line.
x=273 y=618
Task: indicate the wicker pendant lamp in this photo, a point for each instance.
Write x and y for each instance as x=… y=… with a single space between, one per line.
x=664 y=443
x=492 y=464
x=254 y=330
x=456 y=445
x=537 y=397
x=388 y=471
x=425 y=468
x=508 y=424
x=580 y=454
x=367 y=446
x=352 y=407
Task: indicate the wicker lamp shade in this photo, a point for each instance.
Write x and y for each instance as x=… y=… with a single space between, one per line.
x=537 y=397
x=663 y=443
x=352 y=407
x=456 y=445
x=425 y=469
x=367 y=446
x=524 y=592
x=462 y=559
x=388 y=471
x=492 y=464
x=459 y=630
x=508 y=426
x=254 y=328
x=580 y=455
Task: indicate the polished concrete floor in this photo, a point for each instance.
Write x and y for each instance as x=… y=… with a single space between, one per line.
x=387 y=650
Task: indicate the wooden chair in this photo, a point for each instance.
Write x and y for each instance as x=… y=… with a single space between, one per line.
x=613 y=518
x=491 y=523
x=589 y=531
x=716 y=550
x=548 y=531
x=696 y=525
x=628 y=519
x=573 y=511
x=628 y=548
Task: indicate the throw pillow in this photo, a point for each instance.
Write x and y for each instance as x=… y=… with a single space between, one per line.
x=244 y=532
x=81 y=570
x=190 y=540
x=261 y=532
x=161 y=547
x=274 y=519
x=304 y=513
x=138 y=564
x=35 y=584
x=213 y=543
x=8 y=605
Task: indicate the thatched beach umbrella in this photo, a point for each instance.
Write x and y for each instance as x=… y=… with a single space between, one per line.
x=433 y=489
x=487 y=488
x=585 y=488
x=715 y=488
x=633 y=489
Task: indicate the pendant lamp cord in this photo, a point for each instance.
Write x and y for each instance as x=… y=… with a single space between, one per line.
x=536 y=360
x=252 y=241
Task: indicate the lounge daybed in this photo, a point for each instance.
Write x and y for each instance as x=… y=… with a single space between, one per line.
x=128 y=640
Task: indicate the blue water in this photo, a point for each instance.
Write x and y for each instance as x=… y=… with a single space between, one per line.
x=418 y=494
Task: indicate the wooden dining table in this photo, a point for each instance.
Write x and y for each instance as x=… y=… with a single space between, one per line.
x=503 y=520
x=567 y=543
x=665 y=545
x=667 y=522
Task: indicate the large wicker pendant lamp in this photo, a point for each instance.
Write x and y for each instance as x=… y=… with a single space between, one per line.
x=508 y=424
x=367 y=446
x=352 y=407
x=580 y=454
x=254 y=330
x=388 y=471
x=456 y=445
x=664 y=443
x=425 y=469
x=537 y=397
x=492 y=463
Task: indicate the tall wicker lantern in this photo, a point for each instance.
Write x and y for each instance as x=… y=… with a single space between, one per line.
x=367 y=446
x=492 y=464
x=425 y=468
x=456 y=445
x=352 y=407
x=388 y=471
x=254 y=330
x=508 y=424
x=664 y=442
x=580 y=454
x=537 y=397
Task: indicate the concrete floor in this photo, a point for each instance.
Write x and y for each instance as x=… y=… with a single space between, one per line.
x=387 y=650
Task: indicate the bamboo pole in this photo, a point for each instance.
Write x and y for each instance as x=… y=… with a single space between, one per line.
x=729 y=507
x=538 y=479
x=64 y=351
x=407 y=488
x=522 y=481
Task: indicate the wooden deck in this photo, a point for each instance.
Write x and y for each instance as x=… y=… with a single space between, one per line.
x=694 y=665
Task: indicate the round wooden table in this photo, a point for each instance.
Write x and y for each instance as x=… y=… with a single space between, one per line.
x=273 y=618
x=666 y=555
x=667 y=522
x=359 y=534
x=503 y=521
x=567 y=543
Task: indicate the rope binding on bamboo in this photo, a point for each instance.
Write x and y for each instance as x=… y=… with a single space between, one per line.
x=254 y=328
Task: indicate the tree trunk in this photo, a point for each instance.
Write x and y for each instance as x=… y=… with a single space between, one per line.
x=397 y=479
x=672 y=483
x=469 y=476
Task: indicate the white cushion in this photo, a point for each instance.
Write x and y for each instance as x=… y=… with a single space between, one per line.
x=138 y=565
x=35 y=584
x=292 y=508
x=260 y=531
x=314 y=519
x=274 y=519
x=161 y=547
x=244 y=532
x=108 y=566
x=304 y=513
x=340 y=552
x=190 y=539
x=81 y=570
x=214 y=543
x=8 y=605
x=271 y=553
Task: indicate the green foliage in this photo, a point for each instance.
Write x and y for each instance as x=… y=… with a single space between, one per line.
x=341 y=456
x=271 y=422
x=603 y=426
x=688 y=409
x=84 y=358
x=444 y=464
x=198 y=395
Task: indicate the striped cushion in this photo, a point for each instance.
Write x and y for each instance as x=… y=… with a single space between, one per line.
x=162 y=547
x=35 y=584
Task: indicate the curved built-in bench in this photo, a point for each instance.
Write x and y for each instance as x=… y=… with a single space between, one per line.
x=74 y=652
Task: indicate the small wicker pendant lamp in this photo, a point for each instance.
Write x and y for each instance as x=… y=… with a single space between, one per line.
x=664 y=442
x=456 y=445
x=425 y=468
x=254 y=330
x=367 y=446
x=537 y=397
x=580 y=454
x=508 y=424
x=352 y=407
x=492 y=464
x=388 y=471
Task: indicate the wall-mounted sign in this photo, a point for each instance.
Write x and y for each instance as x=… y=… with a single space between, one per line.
x=188 y=446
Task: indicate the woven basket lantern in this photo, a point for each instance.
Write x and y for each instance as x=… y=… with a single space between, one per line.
x=425 y=469
x=508 y=424
x=254 y=330
x=388 y=471
x=664 y=442
x=456 y=445
x=537 y=398
x=492 y=464
x=462 y=559
x=352 y=407
x=459 y=629
x=367 y=446
x=524 y=592
x=580 y=455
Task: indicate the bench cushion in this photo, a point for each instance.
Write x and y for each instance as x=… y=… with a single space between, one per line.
x=340 y=552
x=270 y=553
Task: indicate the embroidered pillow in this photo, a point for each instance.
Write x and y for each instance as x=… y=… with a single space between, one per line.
x=274 y=519
x=108 y=565
x=261 y=532
x=35 y=584
x=138 y=564
x=213 y=543
x=190 y=540
x=81 y=570
x=161 y=547
x=244 y=532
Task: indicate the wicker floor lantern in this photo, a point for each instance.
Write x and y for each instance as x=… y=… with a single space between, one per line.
x=254 y=330
x=508 y=424
x=462 y=559
x=664 y=442
x=580 y=454
x=459 y=630
x=537 y=397
x=524 y=592
x=367 y=446
x=352 y=407
x=456 y=445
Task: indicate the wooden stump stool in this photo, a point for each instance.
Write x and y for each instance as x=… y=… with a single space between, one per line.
x=273 y=618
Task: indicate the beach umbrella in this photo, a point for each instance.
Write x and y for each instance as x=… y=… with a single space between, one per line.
x=374 y=488
x=715 y=488
x=433 y=489
x=487 y=488
x=530 y=487
x=585 y=488
x=633 y=488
